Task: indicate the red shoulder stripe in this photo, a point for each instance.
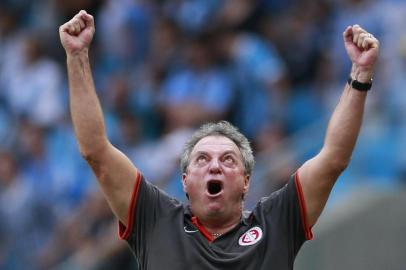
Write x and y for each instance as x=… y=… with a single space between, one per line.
x=303 y=212
x=123 y=231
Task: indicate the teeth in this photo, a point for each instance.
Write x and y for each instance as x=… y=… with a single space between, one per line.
x=214 y=187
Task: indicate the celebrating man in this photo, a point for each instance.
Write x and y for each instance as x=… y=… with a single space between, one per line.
x=213 y=231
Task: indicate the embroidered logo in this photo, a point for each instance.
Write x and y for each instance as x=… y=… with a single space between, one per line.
x=251 y=237
x=189 y=231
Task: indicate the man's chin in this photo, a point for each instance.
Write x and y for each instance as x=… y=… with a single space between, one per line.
x=214 y=210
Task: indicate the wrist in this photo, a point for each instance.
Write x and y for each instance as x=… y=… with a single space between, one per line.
x=81 y=59
x=80 y=54
x=361 y=74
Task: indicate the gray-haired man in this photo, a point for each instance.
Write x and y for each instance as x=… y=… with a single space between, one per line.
x=213 y=231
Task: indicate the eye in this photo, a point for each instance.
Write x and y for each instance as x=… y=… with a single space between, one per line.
x=229 y=159
x=201 y=159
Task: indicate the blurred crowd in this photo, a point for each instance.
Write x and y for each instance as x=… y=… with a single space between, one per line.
x=162 y=68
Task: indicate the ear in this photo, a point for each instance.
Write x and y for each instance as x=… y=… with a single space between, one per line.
x=246 y=183
x=184 y=182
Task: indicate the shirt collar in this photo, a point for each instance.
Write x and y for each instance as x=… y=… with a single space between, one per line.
x=245 y=219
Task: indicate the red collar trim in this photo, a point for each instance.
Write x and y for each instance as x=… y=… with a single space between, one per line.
x=202 y=229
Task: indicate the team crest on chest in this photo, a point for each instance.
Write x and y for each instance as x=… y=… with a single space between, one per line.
x=251 y=237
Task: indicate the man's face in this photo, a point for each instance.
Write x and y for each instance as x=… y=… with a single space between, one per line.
x=215 y=179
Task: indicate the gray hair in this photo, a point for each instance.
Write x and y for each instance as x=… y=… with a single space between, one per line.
x=222 y=128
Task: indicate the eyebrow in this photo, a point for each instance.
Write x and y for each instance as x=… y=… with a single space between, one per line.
x=230 y=152
x=200 y=153
x=222 y=154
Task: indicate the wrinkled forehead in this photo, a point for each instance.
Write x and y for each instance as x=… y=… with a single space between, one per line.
x=216 y=145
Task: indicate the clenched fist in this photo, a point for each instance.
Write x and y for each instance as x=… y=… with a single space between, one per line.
x=77 y=34
x=363 y=49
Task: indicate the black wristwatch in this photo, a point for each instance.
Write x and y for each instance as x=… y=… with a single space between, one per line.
x=359 y=85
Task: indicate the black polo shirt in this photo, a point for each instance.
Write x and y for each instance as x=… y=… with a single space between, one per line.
x=163 y=234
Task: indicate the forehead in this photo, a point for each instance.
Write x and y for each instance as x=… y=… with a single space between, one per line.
x=215 y=144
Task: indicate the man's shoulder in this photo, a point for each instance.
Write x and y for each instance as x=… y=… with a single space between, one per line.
x=154 y=194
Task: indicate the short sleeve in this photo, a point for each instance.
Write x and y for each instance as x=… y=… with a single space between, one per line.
x=286 y=209
x=148 y=204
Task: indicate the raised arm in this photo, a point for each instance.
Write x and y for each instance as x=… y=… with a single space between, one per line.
x=114 y=171
x=318 y=175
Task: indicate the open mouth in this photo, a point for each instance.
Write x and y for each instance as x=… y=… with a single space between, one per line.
x=214 y=187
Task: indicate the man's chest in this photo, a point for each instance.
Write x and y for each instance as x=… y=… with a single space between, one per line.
x=248 y=246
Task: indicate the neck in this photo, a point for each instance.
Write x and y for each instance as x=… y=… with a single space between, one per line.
x=218 y=222
x=217 y=226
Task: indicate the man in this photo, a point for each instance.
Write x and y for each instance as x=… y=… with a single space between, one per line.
x=213 y=232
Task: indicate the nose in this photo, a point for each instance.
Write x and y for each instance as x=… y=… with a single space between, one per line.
x=214 y=166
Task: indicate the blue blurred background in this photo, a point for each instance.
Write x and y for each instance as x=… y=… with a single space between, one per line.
x=273 y=68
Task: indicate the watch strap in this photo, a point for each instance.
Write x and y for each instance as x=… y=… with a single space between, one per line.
x=359 y=85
